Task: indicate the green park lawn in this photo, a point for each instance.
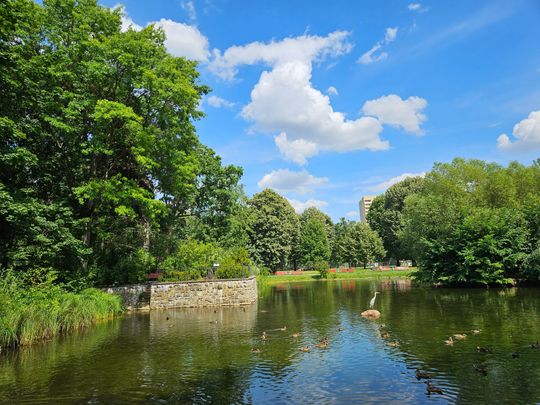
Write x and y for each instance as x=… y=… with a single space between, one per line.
x=357 y=274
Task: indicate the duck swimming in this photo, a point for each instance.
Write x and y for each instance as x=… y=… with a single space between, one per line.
x=431 y=389
x=423 y=375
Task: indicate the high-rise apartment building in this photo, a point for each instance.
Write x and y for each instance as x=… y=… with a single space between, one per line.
x=365 y=203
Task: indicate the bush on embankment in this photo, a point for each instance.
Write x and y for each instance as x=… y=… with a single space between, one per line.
x=32 y=313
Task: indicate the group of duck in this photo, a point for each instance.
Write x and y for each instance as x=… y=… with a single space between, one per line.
x=323 y=343
x=460 y=336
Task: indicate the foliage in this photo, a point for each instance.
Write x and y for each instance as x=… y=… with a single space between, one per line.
x=321 y=266
x=28 y=314
x=367 y=245
x=191 y=261
x=273 y=229
x=385 y=215
x=234 y=263
x=101 y=171
x=356 y=243
x=474 y=222
x=314 y=246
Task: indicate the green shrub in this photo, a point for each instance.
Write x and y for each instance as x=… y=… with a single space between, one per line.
x=234 y=263
x=322 y=267
x=191 y=261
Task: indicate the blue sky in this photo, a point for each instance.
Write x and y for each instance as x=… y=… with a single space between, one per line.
x=329 y=101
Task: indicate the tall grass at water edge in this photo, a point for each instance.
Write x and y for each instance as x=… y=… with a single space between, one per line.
x=30 y=314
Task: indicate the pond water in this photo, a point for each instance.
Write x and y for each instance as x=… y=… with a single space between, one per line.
x=205 y=355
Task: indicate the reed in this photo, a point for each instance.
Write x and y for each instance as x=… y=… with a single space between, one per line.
x=28 y=315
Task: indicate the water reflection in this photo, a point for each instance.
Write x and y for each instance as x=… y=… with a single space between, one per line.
x=206 y=355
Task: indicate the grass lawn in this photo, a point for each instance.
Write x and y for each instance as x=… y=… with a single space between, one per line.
x=360 y=273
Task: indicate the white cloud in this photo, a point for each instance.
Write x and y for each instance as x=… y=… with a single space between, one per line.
x=284 y=180
x=181 y=39
x=297 y=151
x=304 y=49
x=386 y=184
x=526 y=134
x=189 y=7
x=184 y=40
x=285 y=104
x=300 y=206
x=390 y=34
x=285 y=101
x=332 y=91
x=393 y=110
x=414 y=6
x=370 y=56
x=353 y=214
x=218 y=102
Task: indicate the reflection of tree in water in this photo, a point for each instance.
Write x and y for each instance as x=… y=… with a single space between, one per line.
x=204 y=355
x=509 y=321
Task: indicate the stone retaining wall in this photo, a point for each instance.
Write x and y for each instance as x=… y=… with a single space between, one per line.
x=188 y=294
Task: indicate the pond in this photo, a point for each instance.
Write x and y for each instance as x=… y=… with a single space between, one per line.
x=205 y=355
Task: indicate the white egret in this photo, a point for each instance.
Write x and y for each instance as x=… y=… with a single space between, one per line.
x=372 y=302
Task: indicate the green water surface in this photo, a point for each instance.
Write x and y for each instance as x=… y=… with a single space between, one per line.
x=205 y=355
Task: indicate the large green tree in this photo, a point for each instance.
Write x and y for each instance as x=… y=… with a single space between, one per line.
x=475 y=222
x=386 y=212
x=99 y=159
x=273 y=229
x=314 y=246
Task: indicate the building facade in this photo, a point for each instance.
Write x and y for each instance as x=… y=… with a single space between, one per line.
x=364 y=204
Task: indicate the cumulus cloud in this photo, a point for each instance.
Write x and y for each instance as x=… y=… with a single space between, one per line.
x=332 y=91
x=371 y=56
x=300 y=206
x=182 y=39
x=284 y=103
x=297 y=151
x=526 y=134
x=393 y=110
x=304 y=49
x=390 y=182
x=284 y=180
x=218 y=102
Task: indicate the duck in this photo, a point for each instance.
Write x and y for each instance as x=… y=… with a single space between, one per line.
x=393 y=344
x=322 y=345
x=283 y=329
x=304 y=349
x=535 y=345
x=480 y=368
x=256 y=351
x=263 y=336
x=167 y=318
x=482 y=349
x=385 y=335
x=476 y=331
x=296 y=335
x=449 y=341
x=515 y=355
x=341 y=329
x=460 y=336
x=431 y=389
x=423 y=375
